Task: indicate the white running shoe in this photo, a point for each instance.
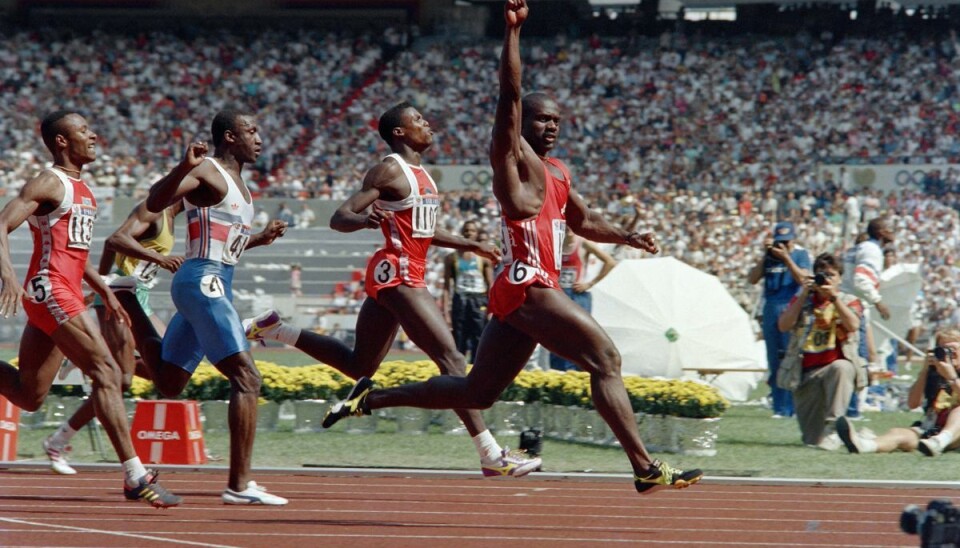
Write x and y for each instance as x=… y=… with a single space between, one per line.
x=58 y=462
x=262 y=326
x=931 y=447
x=253 y=494
x=510 y=463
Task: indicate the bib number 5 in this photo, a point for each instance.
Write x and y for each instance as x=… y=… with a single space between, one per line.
x=39 y=288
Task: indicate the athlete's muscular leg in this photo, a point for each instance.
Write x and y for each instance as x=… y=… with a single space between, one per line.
x=242 y=414
x=376 y=329
x=40 y=360
x=423 y=322
x=501 y=355
x=167 y=378
x=551 y=318
x=81 y=342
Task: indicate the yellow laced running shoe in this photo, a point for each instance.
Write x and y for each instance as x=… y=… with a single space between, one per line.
x=663 y=475
x=353 y=406
x=511 y=463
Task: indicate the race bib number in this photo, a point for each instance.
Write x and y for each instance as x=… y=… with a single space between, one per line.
x=39 y=289
x=236 y=243
x=384 y=272
x=146 y=272
x=568 y=277
x=425 y=218
x=212 y=286
x=521 y=273
x=80 y=227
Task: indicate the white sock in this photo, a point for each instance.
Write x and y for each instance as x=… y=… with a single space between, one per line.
x=945 y=438
x=133 y=470
x=287 y=334
x=867 y=446
x=61 y=438
x=487 y=447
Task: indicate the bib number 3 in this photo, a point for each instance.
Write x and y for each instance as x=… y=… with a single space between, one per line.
x=384 y=272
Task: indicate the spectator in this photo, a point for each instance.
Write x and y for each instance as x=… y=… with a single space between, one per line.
x=936 y=388
x=306 y=217
x=284 y=214
x=783 y=267
x=821 y=365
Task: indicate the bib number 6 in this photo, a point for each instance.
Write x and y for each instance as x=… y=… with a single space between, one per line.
x=521 y=273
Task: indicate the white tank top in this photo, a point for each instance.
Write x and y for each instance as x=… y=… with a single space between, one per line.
x=220 y=232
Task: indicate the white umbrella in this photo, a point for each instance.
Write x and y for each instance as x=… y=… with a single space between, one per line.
x=899 y=286
x=666 y=316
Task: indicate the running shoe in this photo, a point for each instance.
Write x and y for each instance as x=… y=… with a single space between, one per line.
x=253 y=494
x=261 y=326
x=931 y=447
x=355 y=405
x=151 y=492
x=848 y=435
x=662 y=475
x=511 y=463
x=58 y=459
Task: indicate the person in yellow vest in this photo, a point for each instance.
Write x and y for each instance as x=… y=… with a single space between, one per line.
x=138 y=249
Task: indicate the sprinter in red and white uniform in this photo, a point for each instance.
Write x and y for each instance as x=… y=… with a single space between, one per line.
x=536 y=201
x=399 y=197
x=61 y=211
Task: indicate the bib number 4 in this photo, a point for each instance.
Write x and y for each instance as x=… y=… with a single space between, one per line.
x=211 y=286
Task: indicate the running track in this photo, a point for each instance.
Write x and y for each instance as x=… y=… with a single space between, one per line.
x=414 y=509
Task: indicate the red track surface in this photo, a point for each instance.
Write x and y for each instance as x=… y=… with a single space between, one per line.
x=41 y=509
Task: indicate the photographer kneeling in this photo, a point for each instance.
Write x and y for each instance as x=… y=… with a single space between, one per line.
x=937 y=388
x=821 y=365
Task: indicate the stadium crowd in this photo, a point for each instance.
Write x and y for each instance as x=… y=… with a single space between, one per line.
x=725 y=132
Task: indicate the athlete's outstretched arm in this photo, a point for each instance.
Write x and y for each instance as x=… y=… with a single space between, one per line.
x=352 y=215
x=179 y=182
x=42 y=189
x=508 y=150
x=126 y=240
x=593 y=226
x=443 y=238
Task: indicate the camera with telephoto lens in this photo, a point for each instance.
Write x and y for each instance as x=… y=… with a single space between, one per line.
x=942 y=353
x=819 y=278
x=938 y=526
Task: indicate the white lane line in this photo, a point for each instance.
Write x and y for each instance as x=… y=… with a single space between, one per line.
x=114 y=533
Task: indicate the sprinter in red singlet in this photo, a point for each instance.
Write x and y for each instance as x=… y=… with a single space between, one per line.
x=61 y=210
x=400 y=197
x=537 y=202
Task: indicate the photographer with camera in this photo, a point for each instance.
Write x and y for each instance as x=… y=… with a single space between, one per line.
x=783 y=267
x=821 y=365
x=937 y=388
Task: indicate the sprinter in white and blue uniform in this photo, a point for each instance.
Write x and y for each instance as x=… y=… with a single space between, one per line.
x=219 y=211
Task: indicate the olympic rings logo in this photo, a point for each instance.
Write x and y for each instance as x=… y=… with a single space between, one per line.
x=479 y=179
x=914 y=178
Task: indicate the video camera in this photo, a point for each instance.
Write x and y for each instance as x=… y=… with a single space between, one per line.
x=938 y=526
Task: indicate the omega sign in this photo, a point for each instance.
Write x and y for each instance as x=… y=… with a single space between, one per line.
x=166 y=435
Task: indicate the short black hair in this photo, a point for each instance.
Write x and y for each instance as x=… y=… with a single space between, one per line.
x=50 y=127
x=391 y=119
x=532 y=100
x=827 y=260
x=875 y=226
x=225 y=120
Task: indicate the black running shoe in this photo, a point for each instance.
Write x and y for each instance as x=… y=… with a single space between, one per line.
x=151 y=492
x=354 y=405
x=663 y=475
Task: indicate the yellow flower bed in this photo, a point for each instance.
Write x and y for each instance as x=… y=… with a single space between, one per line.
x=659 y=397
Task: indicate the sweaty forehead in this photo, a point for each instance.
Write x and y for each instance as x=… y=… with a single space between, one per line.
x=244 y=122
x=71 y=122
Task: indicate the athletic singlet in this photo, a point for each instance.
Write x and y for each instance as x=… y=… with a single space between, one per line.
x=532 y=247
x=571 y=266
x=162 y=243
x=220 y=232
x=409 y=231
x=61 y=242
x=469 y=279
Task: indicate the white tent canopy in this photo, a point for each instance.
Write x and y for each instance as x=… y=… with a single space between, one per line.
x=666 y=316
